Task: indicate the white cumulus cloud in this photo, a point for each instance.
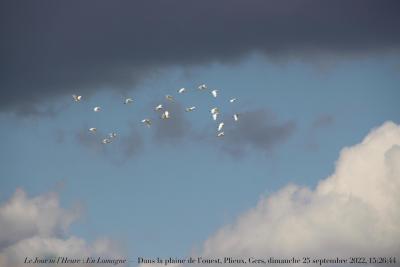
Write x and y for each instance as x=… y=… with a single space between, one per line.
x=354 y=212
x=38 y=227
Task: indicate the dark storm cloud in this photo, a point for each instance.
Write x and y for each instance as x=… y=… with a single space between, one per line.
x=50 y=48
x=257 y=129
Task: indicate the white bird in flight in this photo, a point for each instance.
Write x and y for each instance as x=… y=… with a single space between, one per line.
x=202 y=87
x=182 y=90
x=96 y=109
x=232 y=100
x=106 y=141
x=128 y=100
x=92 y=130
x=77 y=98
x=190 y=109
x=235 y=117
x=112 y=135
x=159 y=107
x=147 y=122
x=214 y=93
x=165 y=115
x=220 y=126
x=220 y=134
x=169 y=97
x=214 y=112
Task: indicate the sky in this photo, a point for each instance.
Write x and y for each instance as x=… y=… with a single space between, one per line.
x=317 y=88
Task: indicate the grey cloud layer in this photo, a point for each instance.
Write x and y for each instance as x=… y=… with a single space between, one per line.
x=174 y=129
x=51 y=48
x=256 y=129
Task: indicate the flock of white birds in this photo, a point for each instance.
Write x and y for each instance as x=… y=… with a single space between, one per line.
x=165 y=114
